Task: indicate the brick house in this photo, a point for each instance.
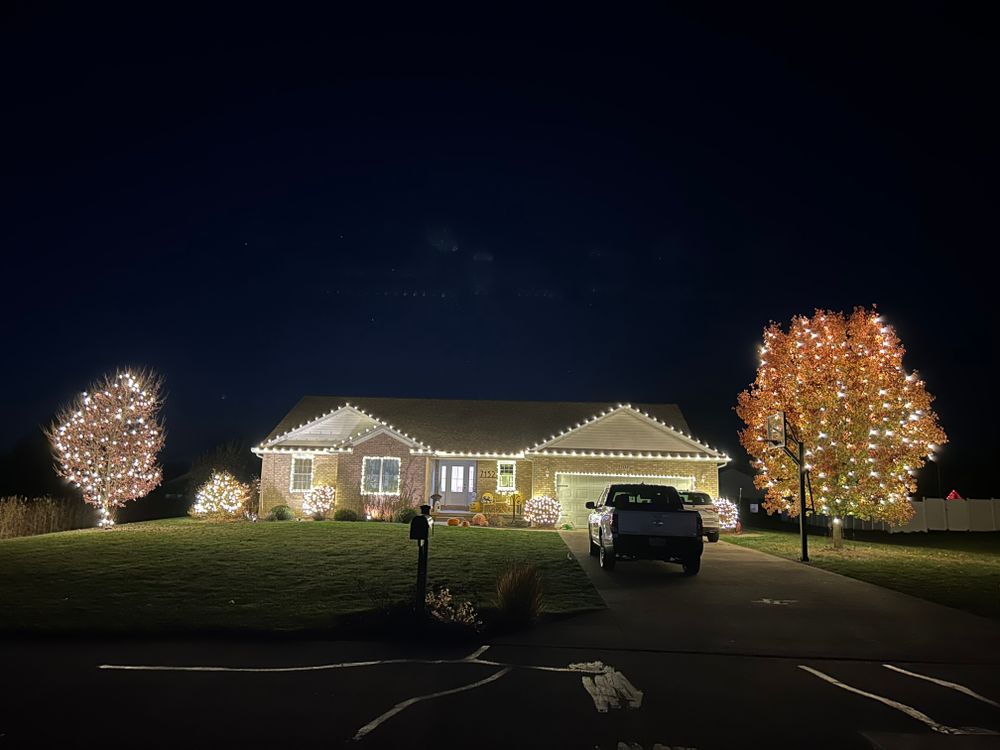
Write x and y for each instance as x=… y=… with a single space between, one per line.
x=478 y=455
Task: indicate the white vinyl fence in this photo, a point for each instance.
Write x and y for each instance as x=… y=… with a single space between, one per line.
x=932 y=514
x=935 y=514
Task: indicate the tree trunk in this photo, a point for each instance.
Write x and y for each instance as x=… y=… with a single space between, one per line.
x=838 y=534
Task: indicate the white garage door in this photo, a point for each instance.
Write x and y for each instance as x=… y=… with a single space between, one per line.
x=574 y=490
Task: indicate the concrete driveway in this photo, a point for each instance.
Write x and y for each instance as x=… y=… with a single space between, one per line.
x=747 y=602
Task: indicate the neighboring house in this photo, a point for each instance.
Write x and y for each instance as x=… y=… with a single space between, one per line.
x=463 y=449
x=737 y=485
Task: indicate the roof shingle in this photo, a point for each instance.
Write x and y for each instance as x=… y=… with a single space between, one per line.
x=473 y=426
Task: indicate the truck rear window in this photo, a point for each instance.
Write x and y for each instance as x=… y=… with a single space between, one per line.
x=644 y=497
x=696 y=498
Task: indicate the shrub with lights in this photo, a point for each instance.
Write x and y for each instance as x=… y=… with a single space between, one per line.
x=543 y=511
x=223 y=495
x=729 y=514
x=867 y=423
x=319 y=501
x=105 y=442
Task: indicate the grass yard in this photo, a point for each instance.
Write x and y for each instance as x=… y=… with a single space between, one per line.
x=183 y=575
x=951 y=568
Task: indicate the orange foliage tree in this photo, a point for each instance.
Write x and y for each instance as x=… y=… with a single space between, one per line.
x=867 y=424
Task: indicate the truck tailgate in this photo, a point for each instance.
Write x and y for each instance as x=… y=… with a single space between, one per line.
x=657 y=523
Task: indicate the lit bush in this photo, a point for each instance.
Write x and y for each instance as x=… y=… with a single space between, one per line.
x=480 y=520
x=542 y=510
x=519 y=592
x=729 y=514
x=223 y=495
x=319 y=501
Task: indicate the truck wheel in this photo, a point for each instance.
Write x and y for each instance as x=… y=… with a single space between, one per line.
x=607 y=558
x=595 y=551
x=713 y=536
x=692 y=566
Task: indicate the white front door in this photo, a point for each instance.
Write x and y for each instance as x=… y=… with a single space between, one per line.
x=457 y=483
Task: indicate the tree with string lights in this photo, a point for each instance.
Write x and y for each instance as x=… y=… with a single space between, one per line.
x=866 y=422
x=105 y=442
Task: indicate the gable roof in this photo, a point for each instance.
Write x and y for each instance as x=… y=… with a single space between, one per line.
x=456 y=425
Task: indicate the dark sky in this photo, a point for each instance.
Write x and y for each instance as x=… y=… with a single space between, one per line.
x=571 y=207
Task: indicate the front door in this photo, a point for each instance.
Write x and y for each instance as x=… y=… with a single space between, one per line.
x=457 y=483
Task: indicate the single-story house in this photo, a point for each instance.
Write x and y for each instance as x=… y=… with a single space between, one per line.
x=469 y=452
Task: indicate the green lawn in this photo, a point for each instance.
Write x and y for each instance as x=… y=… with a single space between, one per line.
x=951 y=568
x=183 y=574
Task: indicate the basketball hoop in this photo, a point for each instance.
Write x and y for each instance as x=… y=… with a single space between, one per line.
x=776 y=430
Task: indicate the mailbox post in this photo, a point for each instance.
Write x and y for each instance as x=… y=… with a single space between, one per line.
x=419 y=528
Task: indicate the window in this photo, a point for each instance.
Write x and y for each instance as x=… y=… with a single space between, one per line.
x=506 y=476
x=695 y=498
x=302 y=474
x=457 y=479
x=380 y=476
x=644 y=497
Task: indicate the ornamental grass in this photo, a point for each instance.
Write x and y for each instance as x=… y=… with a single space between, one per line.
x=519 y=592
x=27 y=516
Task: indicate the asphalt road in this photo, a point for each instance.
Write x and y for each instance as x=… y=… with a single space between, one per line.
x=730 y=677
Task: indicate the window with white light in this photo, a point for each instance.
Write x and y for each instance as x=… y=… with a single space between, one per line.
x=302 y=474
x=380 y=475
x=506 y=476
x=458 y=479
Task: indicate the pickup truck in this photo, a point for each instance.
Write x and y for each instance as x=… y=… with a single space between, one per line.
x=644 y=522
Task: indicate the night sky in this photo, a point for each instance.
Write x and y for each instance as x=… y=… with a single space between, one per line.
x=572 y=207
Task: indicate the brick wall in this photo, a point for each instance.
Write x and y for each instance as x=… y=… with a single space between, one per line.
x=534 y=477
x=486 y=479
x=413 y=470
x=276 y=478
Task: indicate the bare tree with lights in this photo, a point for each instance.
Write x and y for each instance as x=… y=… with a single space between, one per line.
x=105 y=442
x=867 y=424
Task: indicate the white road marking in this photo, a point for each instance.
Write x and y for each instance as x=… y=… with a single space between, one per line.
x=606 y=686
x=310 y=668
x=373 y=724
x=908 y=710
x=592 y=667
x=944 y=683
x=609 y=689
x=780 y=602
x=477 y=653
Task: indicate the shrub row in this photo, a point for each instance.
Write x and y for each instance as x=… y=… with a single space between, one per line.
x=27 y=516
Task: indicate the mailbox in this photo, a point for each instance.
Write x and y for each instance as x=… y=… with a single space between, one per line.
x=419 y=527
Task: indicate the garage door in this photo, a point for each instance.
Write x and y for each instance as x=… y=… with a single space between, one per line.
x=574 y=490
